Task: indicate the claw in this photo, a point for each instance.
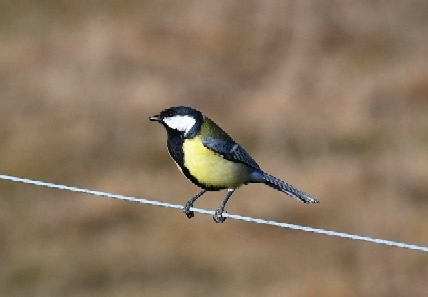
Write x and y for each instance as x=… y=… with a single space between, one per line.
x=186 y=209
x=218 y=216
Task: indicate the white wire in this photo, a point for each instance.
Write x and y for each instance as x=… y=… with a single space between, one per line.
x=209 y=212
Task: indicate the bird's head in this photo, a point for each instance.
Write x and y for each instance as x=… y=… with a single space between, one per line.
x=181 y=119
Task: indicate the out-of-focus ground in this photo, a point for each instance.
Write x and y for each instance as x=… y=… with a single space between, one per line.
x=330 y=95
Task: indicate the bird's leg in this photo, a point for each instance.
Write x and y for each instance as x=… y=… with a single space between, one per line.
x=218 y=218
x=186 y=209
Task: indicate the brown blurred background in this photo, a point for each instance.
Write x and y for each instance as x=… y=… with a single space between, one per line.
x=332 y=96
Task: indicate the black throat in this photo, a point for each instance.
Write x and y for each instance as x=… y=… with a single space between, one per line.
x=175 y=146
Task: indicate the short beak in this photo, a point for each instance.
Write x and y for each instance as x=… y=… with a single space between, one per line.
x=155 y=118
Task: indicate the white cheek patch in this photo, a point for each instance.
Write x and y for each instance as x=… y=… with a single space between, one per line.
x=180 y=123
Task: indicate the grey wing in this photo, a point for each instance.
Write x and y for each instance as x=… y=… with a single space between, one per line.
x=230 y=151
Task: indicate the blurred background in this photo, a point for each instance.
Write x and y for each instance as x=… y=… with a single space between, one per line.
x=331 y=96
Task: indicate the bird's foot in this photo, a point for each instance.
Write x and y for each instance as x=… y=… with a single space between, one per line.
x=218 y=215
x=186 y=209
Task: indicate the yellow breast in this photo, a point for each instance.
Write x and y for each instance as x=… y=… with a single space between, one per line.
x=211 y=169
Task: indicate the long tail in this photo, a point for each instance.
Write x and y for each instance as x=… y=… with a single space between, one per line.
x=288 y=189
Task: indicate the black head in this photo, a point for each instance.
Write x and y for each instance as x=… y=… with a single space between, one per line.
x=181 y=119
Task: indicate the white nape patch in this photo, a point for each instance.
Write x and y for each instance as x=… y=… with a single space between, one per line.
x=180 y=123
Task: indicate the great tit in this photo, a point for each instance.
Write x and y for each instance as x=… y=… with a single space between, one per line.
x=212 y=160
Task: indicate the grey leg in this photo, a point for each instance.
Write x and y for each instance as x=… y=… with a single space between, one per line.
x=218 y=218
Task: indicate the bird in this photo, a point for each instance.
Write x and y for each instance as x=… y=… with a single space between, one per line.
x=212 y=160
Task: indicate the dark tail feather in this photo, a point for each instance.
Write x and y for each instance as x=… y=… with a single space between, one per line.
x=288 y=189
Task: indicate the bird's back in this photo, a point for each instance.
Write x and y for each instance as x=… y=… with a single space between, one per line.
x=207 y=166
